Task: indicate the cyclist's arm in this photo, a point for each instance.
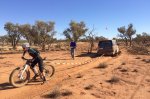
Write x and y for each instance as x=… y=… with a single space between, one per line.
x=24 y=53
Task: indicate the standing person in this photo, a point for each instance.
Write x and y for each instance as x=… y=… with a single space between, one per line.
x=72 y=48
x=36 y=58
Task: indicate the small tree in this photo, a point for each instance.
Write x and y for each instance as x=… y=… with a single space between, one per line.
x=44 y=30
x=122 y=34
x=3 y=39
x=130 y=32
x=91 y=38
x=13 y=33
x=26 y=32
x=142 y=39
x=127 y=33
x=97 y=38
x=75 y=31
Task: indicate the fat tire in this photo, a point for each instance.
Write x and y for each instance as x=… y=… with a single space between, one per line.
x=12 y=82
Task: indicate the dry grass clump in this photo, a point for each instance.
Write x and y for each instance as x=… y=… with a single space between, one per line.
x=138 y=50
x=88 y=87
x=57 y=93
x=124 y=70
x=97 y=95
x=102 y=65
x=123 y=63
x=113 y=80
x=146 y=60
x=138 y=58
x=79 y=76
x=134 y=70
x=54 y=94
x=66 y=92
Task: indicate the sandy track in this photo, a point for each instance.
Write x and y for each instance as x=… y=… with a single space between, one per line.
x=34 y=89
x=65 y=75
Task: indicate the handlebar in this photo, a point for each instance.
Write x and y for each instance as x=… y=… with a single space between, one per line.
x=31 y=59
x=25 y=58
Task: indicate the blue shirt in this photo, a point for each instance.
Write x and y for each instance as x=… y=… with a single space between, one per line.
x=73 y=44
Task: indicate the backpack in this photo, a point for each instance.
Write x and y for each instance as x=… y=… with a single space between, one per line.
x=33 y=52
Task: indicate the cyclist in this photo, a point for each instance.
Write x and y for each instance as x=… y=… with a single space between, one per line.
x=36 y=58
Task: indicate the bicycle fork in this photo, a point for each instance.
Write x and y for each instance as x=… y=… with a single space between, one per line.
x=20 y=75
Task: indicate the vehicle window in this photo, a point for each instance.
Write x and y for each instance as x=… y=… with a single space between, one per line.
x=105 y=44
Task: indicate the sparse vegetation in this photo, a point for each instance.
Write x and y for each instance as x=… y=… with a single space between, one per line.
x=135 y=70
x=88 y=87
x=143 y=59
x=119 y=67
x=57 y=93
x=75 y=31
x=66 y=92
x=141 y=44
x=146 y=60
x=124 y=70
x=127 y=34
x=138 y=50
x=96 y=95
x=123 y=63
x=138 y=58
x=113 y=80
x=79 y=76
x=102 y=65
x=54 y=94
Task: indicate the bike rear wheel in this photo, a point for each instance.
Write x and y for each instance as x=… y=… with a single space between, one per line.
x=49 y=71
x=17 y=80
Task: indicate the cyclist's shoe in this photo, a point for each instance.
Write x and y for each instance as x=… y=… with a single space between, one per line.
x=35 y=76
x=44 y=80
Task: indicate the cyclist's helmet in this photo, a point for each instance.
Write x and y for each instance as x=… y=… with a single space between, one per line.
x=25 y=45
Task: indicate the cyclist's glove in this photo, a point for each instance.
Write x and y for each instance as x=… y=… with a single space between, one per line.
x=22 y=57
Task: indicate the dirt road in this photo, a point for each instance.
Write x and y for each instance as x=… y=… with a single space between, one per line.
x=130 y=72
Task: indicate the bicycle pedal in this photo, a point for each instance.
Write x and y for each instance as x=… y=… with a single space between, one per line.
x=43 y=82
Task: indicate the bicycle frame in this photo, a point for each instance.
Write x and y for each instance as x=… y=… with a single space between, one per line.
x=27 y=64
x=20 y=75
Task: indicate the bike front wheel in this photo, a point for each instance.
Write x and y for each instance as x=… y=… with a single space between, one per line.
x=17 y=79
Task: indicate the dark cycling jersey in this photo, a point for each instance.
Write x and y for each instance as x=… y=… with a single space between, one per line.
x=36 y=58
x=32 y=52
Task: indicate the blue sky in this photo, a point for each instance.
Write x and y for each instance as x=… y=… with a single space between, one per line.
x=101 y=14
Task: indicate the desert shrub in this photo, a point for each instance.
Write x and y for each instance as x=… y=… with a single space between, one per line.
x=134 y=70
x=138 y=49
x=138 y=58
x=146 y=60
x=123 y=63
x=79 y=76
x=53 y=94
x=58 y=46
x=66 y=92
x=88 y=87
x=124 y=70
x=113 y=79
x=102 y=65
